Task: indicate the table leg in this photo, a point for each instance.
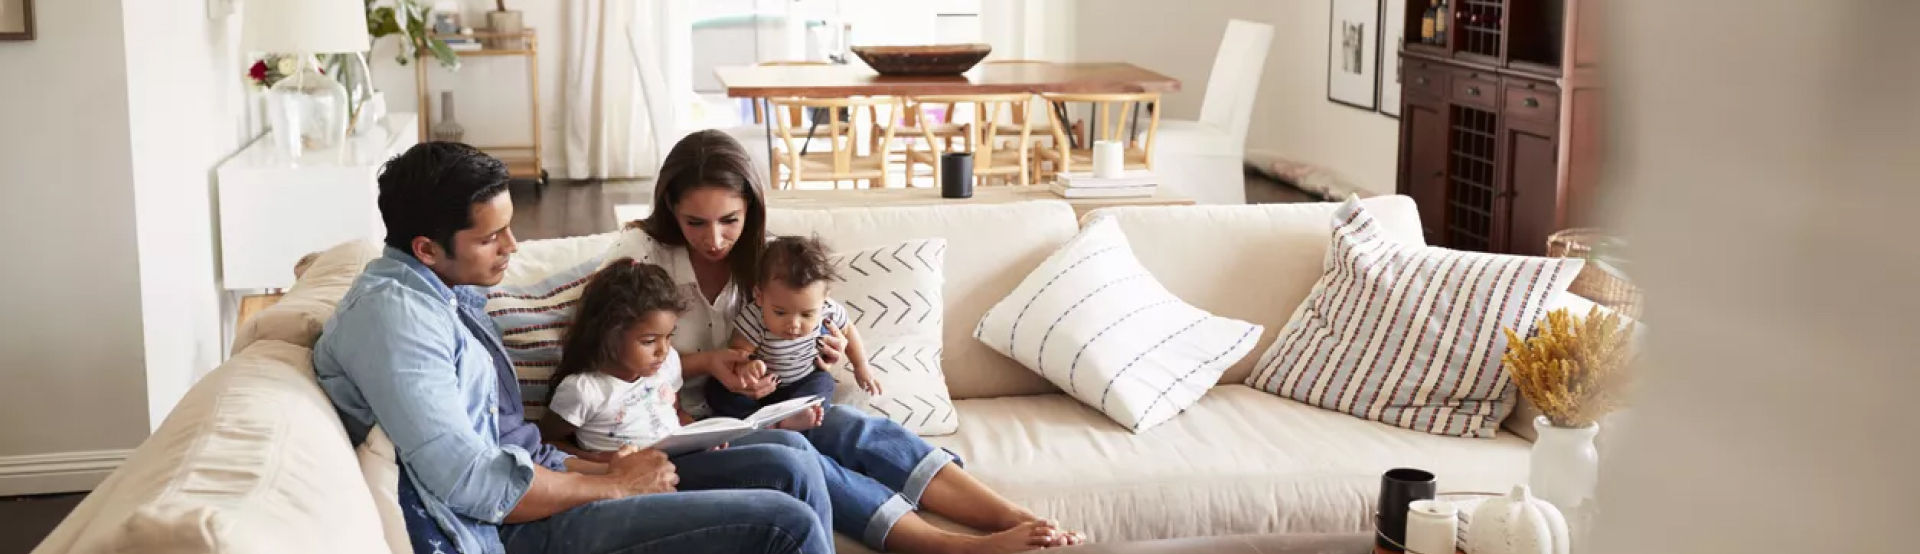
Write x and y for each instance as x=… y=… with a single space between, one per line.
x=773 y=165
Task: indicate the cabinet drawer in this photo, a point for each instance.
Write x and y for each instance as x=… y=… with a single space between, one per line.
x=1424 y=78
x=1476 y=89
x=1531 y=100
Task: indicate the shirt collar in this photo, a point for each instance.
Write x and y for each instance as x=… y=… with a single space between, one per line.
x=468 y=296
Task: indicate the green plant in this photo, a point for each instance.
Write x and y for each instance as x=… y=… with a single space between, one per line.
x=408 y=18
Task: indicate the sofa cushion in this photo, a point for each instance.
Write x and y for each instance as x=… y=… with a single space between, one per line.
x=893 y=297
x=1238 y=461
x=989 y=249
x=1409 y=335
x=534 y=303
x=1252 y=263
x=299 y=315
x=252 y=459
x=1094 y=322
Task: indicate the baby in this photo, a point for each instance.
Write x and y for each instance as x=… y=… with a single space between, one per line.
x=783 y=325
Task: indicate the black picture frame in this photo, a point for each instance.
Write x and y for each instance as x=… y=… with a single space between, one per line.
x=1342 y=39
x=1388 y=67
x=25 y=29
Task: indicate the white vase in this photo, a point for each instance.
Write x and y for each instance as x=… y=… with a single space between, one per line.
x=1565 y=465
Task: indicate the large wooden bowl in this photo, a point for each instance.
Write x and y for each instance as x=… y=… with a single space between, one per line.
x=932 y=59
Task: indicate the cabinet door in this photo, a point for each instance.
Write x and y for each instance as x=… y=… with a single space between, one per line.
x=1531 y=199
x=1423 y=151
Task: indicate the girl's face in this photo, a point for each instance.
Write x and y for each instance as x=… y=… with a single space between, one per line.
x=711 y=218
x=646 y=346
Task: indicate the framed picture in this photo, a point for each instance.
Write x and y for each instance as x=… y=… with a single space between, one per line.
x=16 y=19
x=1393 y=26
x=1353 y=47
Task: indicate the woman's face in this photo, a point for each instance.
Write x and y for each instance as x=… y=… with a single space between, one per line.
x=711 y=218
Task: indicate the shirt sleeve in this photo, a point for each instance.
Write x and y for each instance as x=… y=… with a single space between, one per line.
x=836 y=314
x=399 y=354
x=746 y=320
x=569 y=400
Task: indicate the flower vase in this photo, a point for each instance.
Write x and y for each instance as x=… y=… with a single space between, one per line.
x=1564 y=465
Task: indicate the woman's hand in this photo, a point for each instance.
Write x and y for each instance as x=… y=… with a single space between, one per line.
x=748 y=378
x=833 y=349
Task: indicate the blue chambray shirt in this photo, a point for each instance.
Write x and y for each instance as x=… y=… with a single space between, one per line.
x=420 y=359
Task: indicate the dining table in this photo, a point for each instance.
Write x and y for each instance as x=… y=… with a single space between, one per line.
x=764 y=82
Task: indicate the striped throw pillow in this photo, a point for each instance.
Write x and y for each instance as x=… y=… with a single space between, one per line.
x=1095 y=323
x=534 y=303
x=1409 y=335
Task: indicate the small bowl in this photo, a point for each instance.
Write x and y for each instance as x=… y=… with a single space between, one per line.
x=932 y=59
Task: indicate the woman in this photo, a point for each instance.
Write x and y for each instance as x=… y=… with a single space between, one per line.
x=707 y=229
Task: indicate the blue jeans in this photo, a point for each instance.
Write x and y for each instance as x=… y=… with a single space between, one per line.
x=875 y=470
x=735 y=405
x=766 y=496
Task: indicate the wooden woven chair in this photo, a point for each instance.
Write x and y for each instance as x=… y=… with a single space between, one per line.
x=842 y=160
x=1114 y=110
x=990 y=158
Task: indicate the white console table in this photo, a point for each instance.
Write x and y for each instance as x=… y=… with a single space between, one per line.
x=273 y=209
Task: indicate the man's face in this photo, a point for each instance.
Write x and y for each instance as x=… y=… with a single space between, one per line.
x=479 y=253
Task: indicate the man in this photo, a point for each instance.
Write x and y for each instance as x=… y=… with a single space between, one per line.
x=410 y=350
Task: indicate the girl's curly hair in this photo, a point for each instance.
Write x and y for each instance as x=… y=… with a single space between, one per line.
x=614 y=298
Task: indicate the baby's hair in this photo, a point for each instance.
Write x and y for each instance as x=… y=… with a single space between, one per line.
x=613 y=299
x=796 y=262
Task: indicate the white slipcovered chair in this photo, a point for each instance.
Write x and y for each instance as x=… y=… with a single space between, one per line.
x=1205 y=159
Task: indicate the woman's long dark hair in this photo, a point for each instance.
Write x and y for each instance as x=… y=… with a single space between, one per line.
x=710 y=158
x=615 y=298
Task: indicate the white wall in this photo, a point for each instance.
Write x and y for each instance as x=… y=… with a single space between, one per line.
x=75 y=389
x=185 y=99
x=1292 y=117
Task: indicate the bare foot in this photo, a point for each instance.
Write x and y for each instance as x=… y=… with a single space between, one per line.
x=807 y=419
x=1021 y=538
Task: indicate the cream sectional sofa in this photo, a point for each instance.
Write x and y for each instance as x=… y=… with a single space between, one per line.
x=254 y=459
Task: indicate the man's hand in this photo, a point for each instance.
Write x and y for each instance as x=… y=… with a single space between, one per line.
x=643 y=472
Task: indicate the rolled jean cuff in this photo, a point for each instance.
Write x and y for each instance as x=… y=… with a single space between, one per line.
x=923 y=473
x=882 y=522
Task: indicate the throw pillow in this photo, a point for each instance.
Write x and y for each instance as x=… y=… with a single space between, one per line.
x=1409 y=335
x=534 y=303
x=1095 y=323
x=892 y=295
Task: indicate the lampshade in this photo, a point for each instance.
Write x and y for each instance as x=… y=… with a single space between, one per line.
x=304 y=26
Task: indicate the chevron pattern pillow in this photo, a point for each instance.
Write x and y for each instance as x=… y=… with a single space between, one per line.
x=892 y=295
x=1095 y=323
x=1407 y=334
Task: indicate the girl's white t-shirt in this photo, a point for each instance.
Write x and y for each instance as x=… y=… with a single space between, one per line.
x=608 y=413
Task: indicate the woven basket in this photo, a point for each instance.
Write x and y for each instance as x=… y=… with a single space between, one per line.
x=1598 y=281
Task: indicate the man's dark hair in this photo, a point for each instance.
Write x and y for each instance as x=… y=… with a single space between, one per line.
x=797 y=262
x=429 y=191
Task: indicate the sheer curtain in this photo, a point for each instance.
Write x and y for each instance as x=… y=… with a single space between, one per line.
x=606 y=125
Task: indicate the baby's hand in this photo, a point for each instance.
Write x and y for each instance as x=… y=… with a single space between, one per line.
x=864 y=378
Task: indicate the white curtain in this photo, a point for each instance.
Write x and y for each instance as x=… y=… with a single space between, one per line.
x=605 y=128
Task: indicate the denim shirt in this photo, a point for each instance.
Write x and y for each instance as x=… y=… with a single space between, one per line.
x=402 y=352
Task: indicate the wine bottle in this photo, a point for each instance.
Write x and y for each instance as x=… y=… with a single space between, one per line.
x=1426 y=26
x=1440 y=23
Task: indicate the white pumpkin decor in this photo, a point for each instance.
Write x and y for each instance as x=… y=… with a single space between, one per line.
x=1517 y=523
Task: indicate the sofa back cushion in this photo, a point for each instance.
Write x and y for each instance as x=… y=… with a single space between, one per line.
x=298 y=317
x=990 y=248
x=1253 y=263
x=253 y=459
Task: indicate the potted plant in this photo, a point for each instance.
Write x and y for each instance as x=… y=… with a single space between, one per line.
x=1576 y=371
x=408 y=18
x=505 y=25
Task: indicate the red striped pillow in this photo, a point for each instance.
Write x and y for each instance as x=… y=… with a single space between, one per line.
x=1409 y=335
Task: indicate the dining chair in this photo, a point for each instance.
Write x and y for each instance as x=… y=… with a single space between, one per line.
x=990 y=158
x=1117 y=120
x=1205 y=159
x=759 y=115
x=842 y=160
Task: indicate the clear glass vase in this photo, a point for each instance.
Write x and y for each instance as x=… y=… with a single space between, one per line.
x=308 y=110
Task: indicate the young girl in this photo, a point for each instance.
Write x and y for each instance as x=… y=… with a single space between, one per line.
x=783 y=325
x=618 y=382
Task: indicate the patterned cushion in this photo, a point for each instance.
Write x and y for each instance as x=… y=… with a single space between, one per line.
x=1409 y=335
x=1094 y=322
x=892 y=296
x=534 y=303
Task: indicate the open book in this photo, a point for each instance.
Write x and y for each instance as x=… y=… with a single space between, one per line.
x=711 y=432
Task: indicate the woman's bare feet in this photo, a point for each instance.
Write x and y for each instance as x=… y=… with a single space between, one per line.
x=1021 y=538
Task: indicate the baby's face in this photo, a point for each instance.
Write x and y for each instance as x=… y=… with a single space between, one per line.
x=791 y=313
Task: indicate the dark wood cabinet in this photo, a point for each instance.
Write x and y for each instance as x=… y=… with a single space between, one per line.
x=1496 y=144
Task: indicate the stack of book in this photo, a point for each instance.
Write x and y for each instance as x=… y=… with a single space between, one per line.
x=1133 y=183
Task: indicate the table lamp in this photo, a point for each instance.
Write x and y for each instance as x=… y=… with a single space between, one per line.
x=307 y=110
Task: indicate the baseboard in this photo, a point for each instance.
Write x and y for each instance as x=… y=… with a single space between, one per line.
x=57 y=472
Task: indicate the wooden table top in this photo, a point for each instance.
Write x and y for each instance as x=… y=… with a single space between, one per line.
x=998 y=194
x=839 y=81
